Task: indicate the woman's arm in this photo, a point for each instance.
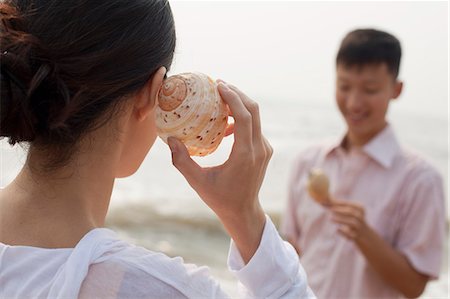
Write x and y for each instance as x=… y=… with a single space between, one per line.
x=231 y=191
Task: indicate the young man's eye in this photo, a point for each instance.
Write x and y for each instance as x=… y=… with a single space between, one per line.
x=344 y=87
x=371 y=91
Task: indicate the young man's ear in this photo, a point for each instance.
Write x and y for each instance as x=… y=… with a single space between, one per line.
x=398 y=87
x=148 y=96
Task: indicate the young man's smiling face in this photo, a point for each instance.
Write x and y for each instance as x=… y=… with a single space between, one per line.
x=363 y=94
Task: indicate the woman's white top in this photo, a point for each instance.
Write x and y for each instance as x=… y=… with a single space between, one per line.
x=103 y=266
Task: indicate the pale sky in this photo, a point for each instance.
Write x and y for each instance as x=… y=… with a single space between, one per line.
x=285 y=51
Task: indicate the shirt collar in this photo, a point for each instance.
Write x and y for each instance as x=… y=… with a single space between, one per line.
x=382 y=148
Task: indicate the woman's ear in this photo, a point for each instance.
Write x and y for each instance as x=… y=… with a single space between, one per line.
x=148 y=96
x=139 y=126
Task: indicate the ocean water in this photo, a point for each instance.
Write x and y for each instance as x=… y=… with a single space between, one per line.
x=157 y=209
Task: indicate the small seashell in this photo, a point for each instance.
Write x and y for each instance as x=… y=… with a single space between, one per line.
x=318 y=186
x=191 y=110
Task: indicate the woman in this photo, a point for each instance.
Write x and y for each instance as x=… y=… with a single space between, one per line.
x=79 y=83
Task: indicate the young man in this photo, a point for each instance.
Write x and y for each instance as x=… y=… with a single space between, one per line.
x=383 y=234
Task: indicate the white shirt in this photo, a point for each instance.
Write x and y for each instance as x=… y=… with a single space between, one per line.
x=103 y=266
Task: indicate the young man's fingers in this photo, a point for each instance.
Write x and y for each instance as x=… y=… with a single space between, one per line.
x=349 y=211
x=343 y=210
x=346 y=203
x=349 y=221
x=347 y=232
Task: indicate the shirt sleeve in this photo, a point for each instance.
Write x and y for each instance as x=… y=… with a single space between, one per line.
x=274 y=271
x=422 y=229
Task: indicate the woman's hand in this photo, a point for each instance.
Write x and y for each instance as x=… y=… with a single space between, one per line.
x=231 y=189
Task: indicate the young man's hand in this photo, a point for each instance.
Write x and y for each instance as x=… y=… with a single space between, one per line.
x=351 y=219
x=392 y=265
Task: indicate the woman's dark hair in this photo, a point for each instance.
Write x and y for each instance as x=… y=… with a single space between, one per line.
x=66 y=64
x=367 y=46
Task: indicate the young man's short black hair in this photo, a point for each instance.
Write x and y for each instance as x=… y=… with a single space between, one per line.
x=367 y=46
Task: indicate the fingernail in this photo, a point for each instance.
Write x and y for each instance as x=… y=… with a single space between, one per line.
x=223 y=86
x=172 y=144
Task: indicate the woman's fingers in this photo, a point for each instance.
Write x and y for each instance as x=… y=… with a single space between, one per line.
x=184 y=163
x=268 y=151
x=253 y=108
x=269 y=148
x=242 y=118
x=229 y=130
x=218 y=81
x=260 y=148
x=229 y=111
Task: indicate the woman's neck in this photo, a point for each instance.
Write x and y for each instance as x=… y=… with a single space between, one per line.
x=56 y=209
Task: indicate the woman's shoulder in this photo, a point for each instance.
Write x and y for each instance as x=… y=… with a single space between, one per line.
x=119 y=278
x=136 y=271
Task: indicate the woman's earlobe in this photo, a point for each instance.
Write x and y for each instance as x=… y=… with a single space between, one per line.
x=141 y=115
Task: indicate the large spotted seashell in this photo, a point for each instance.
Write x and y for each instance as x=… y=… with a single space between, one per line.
x=191 y=110
x=318 y=186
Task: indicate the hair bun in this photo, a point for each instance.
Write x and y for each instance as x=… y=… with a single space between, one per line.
x=16 y=119
x=13 y=33
x=32 y=95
